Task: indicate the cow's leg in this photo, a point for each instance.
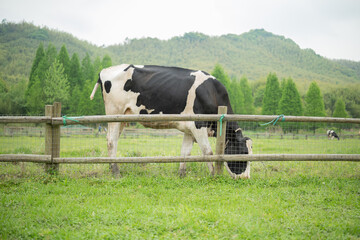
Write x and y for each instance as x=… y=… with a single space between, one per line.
x=201 y=137
x=113 y=134
x=186 y=148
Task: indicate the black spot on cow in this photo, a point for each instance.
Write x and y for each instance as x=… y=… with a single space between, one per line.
x=209 y=95
x=162 y=89
x=127 y=85
x=107 y=85
x=100 y=82
x=143 y=111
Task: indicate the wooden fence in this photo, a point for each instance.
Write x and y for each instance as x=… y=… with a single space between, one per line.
x=53 y=121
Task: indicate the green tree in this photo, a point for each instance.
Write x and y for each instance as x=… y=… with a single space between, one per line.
x=282 y=84
x=88 y=75
x=30 y=94
x=75 y=78
x=75 y=83
x=339 y=110
x=40 y=54
x=290 y=102
x=314 y=104
x=35 y=99
x=97 y=104
x=63 y=58
x=4 y=106
x=56 y=84
x=35 y=95
x=46 y=62
x=248 y=97
x=16 y=97
x=236 y=97
x=272 y=95
x=106 y=61
x=258 y=89
x=87 y=69
x=74 y=100
x=220 y=75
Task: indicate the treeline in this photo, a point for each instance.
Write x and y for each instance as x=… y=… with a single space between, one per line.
x=54 y=77
x=253 y=54
x=276 y=98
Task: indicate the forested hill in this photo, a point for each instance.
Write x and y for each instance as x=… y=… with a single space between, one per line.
x=253 y=54
x=18 y=44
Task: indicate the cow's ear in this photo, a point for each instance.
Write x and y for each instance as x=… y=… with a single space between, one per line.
x=238 y=134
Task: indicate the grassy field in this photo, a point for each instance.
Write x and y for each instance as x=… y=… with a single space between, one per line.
x=282 y=200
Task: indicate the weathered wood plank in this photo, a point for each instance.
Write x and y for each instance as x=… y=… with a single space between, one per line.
x=25 y=158
x=25 y=119
x=220 y=140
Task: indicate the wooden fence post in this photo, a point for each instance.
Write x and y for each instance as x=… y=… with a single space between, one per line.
x=52 y=137
x=220 y=140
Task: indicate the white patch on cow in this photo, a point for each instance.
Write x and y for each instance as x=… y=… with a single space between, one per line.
x=249 y=146
x=200 y=77
x=117 y=101
x=139 y=66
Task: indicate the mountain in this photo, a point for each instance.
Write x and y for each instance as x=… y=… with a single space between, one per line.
x=18 y=44
x=253 y=54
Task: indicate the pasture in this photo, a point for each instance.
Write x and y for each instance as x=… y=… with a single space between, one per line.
x=282 y=200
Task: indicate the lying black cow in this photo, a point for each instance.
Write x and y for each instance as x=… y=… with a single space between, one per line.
x=332 y=134
x=129 y=89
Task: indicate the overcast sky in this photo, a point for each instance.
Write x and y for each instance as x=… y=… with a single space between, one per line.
x=330 y=27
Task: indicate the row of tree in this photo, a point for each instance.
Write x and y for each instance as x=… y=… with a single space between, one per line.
x=55 y=76
x=277 y=98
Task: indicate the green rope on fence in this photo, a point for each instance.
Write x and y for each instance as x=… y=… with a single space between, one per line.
x=68 y=118
x=220 y=120
x=275 y=120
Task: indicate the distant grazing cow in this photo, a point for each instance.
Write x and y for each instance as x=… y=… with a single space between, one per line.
x=132 y=89
x=331 y=134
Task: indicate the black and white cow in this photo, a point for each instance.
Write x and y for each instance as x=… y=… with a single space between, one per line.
x=133 y=89
x=332 y=134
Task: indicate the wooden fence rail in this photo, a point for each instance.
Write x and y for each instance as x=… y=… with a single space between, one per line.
x=53 y=120
x=170 y=117
x=171 y=159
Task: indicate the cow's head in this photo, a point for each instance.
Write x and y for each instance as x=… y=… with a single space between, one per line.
x=238 y=144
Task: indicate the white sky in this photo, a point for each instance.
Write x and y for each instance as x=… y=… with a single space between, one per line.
x=330 y=27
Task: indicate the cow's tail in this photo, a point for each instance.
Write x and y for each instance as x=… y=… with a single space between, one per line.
x=94 y=90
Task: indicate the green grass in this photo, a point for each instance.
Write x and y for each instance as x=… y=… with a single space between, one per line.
x=143 y=207
x=282 y=200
